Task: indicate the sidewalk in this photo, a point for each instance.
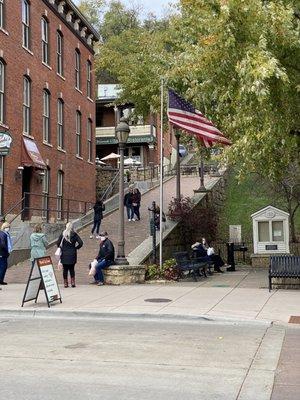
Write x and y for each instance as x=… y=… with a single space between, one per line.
x=135 y=232
x=241 y=295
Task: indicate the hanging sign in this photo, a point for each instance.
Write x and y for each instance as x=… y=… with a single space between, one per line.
x=42 y=277
x=5 y=143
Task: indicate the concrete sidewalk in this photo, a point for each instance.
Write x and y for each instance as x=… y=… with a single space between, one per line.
x=241 y=295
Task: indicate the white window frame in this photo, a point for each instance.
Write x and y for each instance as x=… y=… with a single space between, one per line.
x=26 y=105
x=78 y=133
x=60 y=124
x=26 y=23
x=89 y=79
x=45 y=40
x=1 y=14
x=45 y=191
x=77 y=69
x=2 y=90
x=59 y=53
x=60 y=191
x=90 y=139
x=46 y=116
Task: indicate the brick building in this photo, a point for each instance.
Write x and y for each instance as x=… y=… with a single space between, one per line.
x=47 y=105
x=143 y=144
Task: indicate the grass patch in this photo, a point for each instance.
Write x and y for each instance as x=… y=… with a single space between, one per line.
x=241 y=201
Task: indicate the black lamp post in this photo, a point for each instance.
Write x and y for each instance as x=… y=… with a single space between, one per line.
x=122 y=133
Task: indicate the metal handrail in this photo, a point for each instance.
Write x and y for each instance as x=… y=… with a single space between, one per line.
x=110 y=187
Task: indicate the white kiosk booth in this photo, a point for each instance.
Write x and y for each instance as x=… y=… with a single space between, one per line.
x=270 y=235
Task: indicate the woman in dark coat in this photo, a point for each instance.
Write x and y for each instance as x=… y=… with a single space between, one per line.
x=99 y=207
x=201 y=251
x=136 y=203
x=69 y=242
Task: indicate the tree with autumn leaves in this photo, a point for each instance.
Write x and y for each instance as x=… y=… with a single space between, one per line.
x=237 y=61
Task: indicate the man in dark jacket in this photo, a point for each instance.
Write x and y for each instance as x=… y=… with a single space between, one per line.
x=128 y=204
x=99 y=207
x=105 y=258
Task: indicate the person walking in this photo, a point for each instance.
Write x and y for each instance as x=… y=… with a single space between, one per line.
x=99 y=207
x=128 y=204
x=38 y=243
x=5 y=250
x=105 y=258
x=136 y=203
x=69 y=242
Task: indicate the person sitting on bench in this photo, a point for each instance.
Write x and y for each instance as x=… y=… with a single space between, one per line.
x=204 y=250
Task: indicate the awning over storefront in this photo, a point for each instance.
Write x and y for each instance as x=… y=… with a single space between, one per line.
x=31 y=157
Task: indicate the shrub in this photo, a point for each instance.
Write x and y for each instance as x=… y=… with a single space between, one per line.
x=179 y=209
x=169 y=271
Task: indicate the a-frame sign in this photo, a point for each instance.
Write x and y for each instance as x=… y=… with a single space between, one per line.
x=42 y=277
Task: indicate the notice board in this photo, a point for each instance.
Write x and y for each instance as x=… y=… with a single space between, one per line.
x=42 y=277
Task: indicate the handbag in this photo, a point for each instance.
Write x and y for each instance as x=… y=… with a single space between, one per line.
x=210 y=251
x=92 y=271
x=58 y=252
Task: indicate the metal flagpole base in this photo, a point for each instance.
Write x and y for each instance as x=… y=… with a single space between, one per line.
x=121 y=261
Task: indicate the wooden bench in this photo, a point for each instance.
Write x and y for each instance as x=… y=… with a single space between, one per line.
x=284 y=266
x=193 y=265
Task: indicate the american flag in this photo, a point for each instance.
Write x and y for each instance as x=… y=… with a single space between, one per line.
x=183 y=115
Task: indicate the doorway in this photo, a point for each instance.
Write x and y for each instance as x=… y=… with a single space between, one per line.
x=26 y=184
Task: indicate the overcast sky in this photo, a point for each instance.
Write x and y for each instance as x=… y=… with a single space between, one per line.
x=158 y=7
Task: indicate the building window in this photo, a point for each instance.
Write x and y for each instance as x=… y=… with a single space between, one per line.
x=60 y=185
x=2 y=88
x=1 y=13
x=90 y=140
x=46 y=189
x=45 y=40
x=89 y=80
x=1 y=182
x=46 y=116
x=263 y=231
x=78 y=133
x=77 y=69
x=26 y=105
x=59 y=53
x=26 y=23
x=60 y=124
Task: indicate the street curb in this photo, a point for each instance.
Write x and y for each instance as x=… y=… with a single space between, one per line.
x=53 y=314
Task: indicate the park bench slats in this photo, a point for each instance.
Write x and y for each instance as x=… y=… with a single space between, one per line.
x=193 y=265
x=284 y=266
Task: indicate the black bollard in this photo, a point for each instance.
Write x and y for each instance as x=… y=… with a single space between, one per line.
x=230 y=257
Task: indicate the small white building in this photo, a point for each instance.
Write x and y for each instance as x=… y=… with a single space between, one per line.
x=270 y=231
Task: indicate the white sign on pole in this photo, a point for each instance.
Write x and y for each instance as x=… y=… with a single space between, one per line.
x=235 y=233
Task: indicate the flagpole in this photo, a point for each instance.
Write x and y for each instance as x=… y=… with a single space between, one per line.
x=161 y=191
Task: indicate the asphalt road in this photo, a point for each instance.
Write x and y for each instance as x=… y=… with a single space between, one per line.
x=122 y=359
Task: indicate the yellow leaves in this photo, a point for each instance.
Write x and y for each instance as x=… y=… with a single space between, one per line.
x=208 y=40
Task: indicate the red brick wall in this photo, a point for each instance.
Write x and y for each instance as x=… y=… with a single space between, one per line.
x=79 y=174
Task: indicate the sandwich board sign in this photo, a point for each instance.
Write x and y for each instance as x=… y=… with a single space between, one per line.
x=42 y=277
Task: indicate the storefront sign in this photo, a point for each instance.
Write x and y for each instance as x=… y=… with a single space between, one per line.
x=5 y=143
x=42 y=277
x=131 y=139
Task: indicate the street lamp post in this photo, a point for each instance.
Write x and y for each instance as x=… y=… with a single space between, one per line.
x=202 y=187
x=122 y=133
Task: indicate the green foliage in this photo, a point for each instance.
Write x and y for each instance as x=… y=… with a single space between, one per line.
x=92 y=10
x=243 y=199
x=236 y=60
x=169 y=271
